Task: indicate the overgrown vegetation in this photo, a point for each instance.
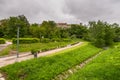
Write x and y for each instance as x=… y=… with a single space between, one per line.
x=46 y=68
x=104 y=67
x=101 y=33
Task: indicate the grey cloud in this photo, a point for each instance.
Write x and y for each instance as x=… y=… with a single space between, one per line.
x=86 y=10
x=31 y=8
x=72 y=11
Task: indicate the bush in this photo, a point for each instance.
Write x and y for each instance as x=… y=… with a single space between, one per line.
x=56 y=39
x=26 y=40
x=2 y=41
x=33 y=51
x=66 y=40
x=45 y=40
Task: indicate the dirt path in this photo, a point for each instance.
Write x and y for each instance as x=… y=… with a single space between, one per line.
x=25 y=56
x=69 y=72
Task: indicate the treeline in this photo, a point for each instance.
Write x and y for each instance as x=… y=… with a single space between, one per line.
x=99 y=33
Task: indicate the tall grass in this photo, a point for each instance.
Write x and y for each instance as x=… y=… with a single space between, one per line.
x=104 y=67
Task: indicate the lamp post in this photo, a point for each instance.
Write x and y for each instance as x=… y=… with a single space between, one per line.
x=18 y=41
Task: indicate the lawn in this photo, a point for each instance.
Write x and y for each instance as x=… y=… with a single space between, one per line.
x=39 y=46
x=46 y=68
x=104 y=67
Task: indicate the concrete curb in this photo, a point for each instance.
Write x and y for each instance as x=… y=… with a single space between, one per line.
x=1 y=77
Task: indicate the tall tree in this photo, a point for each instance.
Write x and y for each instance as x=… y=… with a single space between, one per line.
x=78 y=30
x=117 y=32
x=101 y=33
x=14 y=22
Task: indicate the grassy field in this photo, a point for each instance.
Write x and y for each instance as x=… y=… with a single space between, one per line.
x=39 y=46
x=104 y=67
x=46 y=68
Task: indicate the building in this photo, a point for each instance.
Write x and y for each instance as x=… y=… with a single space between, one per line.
x=63 y=25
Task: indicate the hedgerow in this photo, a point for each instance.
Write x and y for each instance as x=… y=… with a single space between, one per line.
x=26 y=40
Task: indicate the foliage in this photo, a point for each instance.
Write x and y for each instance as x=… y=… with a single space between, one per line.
x=46 y=68
x=78 y=30
x=2 y=41
x=101 y=33
x=9 y=26
x=104 y=67
x=45 y=40
x=34 y=51
x=5 y=51
x=117 y=32
x=25 y=40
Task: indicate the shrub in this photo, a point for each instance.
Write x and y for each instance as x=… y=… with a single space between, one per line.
x=45 y=40
x=33 y=51
x=56 y=39
x=25 y=40
x=66 y=40
x=2 y=41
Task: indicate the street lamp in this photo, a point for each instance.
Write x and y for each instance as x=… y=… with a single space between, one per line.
x=18 y=24
x=18 y=41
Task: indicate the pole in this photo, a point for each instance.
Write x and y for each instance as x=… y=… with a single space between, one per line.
x=18 y=42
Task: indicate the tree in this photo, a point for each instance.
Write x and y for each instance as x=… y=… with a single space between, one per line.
x=101 y=33
x=49 y=28
x=13 y=23
x=117 y=32
x=78 y=30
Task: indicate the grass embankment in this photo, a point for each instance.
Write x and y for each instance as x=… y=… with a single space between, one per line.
x=46 y=68
x=39 y=46
x=104 y=67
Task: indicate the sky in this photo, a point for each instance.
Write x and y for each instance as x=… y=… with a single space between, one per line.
x=69 y=11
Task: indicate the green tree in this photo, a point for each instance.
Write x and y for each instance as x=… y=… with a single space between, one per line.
x=78 y=30
x=101 y=33
x=14 y=22
x=117 y=32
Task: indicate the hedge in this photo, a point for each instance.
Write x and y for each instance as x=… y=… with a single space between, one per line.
x=56 y=39
x=66 y=39
x=45 y=40
x=26 y=40
x=2 y=41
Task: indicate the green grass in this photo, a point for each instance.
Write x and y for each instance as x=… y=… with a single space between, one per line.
x=5 y=51
x=39 y=46
x=46 y=68
x=104 y=67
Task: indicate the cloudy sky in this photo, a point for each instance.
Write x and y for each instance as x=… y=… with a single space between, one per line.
x=70 y=11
